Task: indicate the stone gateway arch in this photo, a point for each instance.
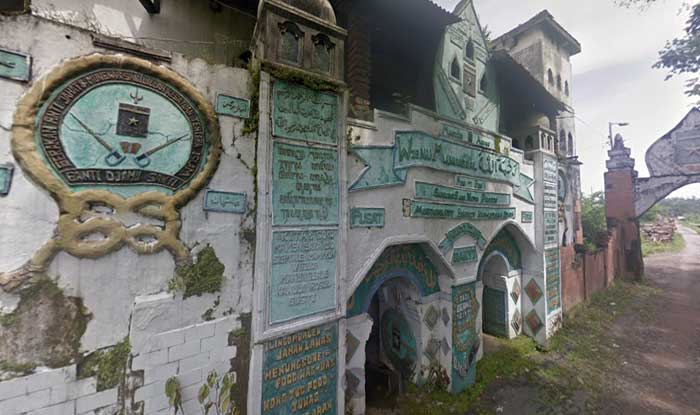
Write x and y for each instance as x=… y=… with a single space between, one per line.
x=673 y=162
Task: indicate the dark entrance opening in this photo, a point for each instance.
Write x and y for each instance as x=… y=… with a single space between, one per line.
x=382 y=384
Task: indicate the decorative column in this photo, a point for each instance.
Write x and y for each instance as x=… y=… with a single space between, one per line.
x=299 y=327
x=620 y=195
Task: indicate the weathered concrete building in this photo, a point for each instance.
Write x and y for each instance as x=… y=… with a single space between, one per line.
x=304 y=194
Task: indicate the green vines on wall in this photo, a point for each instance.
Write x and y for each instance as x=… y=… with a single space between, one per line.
x=44 y=330
x=206 y=275
x=109 y=366
x=298 y=77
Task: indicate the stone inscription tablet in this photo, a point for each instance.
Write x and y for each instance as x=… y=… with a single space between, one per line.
x=300 y=113
x=451 y=194
x=551 y=200
x=232 y=106
x=303 y=276
x=464 y=255
x=526 y=217
x=550 y=170
x=470 y=183
x=5 y=179
x=551 y=228
x=15 y=65
x=417 y=209
x=228 y=202
x=300 y=373
x=465 y=336
x=305 y=186
x=551 y=260
x=367 y=217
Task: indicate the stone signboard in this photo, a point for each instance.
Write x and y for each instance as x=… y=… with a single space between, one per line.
x=304 y=185
x=303 y=277
x=526 y=217
x=452 y=194
x=465 y=336
x=551 y=169
x=228 y=202
x=366 y=217
x=551 y=228
x=388 y=166
x=470 y=183
x=5 y=179
x=460 y=231
x=417 y=149
x=232 y=106
x=417 y=209
x=551 y=259
x=300 y=373
x=464 y=255
x=302 y=114
x=551 y=200
x=15 y=65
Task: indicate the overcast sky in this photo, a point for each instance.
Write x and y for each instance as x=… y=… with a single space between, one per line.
x=613 y=75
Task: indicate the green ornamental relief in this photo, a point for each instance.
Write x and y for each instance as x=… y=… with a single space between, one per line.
x=123 y=131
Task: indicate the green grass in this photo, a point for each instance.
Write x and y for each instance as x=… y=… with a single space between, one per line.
x=580 y=357
x=674 y=247
x=692 y=224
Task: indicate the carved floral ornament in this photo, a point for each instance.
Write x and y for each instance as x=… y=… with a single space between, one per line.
x=121 y=134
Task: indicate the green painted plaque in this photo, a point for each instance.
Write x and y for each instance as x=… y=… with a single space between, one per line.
x=484 y=141
x=399 y=342
x=470 y=183
x=551 y=169
x=465 y=336
x=15 y=65
x=300 y=113
x=300 y=373
x=303 y=277
x=464 y=255
x=551 y=200
x=551 y=260
x=122 y=131
x=459 y=231
x=526 y=217
x=447 y=211
x=417 y=149
x=232 y=106
x=452 y=194
x=551 y=228
x=304 y=185
x=454 y=133
x=227 y=202
x=366 y=217
x=5 y=179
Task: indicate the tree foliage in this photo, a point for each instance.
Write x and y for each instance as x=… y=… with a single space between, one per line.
x=593 y=220
x=680 y=56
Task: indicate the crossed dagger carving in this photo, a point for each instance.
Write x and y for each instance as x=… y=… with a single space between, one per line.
x=115 y=158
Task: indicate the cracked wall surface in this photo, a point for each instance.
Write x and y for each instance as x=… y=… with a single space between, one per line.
x=90 y=305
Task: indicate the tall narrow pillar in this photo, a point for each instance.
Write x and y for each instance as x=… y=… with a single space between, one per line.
x=620 y=182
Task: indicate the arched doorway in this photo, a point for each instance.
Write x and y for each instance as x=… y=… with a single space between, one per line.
x=387 y=327
x=500 y=272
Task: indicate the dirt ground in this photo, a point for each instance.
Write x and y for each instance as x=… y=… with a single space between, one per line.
x=657 y=369
x=635 y=350
x=662 y=374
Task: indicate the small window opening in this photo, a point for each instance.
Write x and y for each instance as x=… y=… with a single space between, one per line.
x=570 y=148
x=454 y=68
x=529 y=143
x=559 y=82
x=484 y=84
x=566 y=88
x=550 y=77
x=470 y=49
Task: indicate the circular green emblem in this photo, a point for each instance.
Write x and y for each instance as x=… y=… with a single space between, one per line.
x=122 y=130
